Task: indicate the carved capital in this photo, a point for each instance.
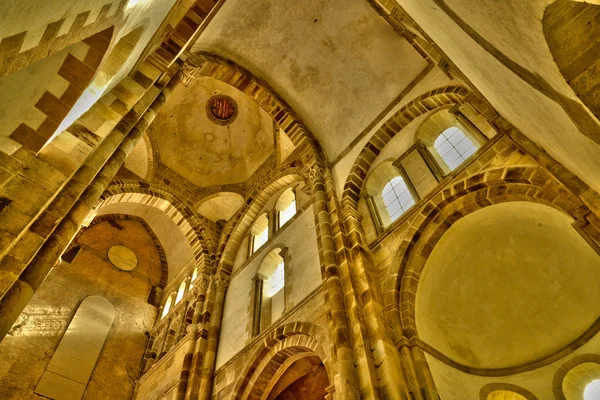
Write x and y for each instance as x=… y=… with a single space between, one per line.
x=313 y=174
x=203 y=284
x=221 y=282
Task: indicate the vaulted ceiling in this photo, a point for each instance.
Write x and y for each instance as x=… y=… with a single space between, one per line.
x=337 y=63
x=205 y=151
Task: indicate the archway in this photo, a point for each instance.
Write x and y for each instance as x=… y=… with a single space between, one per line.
x=294 y=363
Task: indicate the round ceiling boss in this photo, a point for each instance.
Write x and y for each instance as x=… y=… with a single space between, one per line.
x=221 y=109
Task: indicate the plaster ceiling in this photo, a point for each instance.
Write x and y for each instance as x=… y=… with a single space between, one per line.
x=204 y=152
x=223 y=206
x=337 y=63
x=503 y=278
x=176 y=246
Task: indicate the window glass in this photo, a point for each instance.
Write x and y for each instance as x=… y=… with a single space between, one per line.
x=592 y=391
x=454 y=147
x=396 y=197
x=180 y=293
x=286 y=214
x=167 y=306
x=276 y=281
x=261 y=238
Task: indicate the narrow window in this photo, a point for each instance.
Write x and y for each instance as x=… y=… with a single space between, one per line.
x=454 y=147
x=286 y=206
x=276 y=281
x=261 y=232
x=269 y=291
x=592 y=390
x=167 y=306
x=396 y=197
x=180 y=293
x=194 y=277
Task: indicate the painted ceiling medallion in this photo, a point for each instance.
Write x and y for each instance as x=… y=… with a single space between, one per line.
x=122 y=257
x=221 y=109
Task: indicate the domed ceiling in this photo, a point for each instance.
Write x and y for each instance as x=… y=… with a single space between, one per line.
x=212 y=134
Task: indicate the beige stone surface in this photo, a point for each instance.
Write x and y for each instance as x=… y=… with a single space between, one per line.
x=500 y=280
x=28 y=350
x=203 y=152
x=223 y=206
x=78 y=350
x=514 y=27
x=338 y=64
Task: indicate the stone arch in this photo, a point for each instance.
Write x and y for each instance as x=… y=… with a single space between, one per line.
x=37 y=112
x=240 y=224
x=576 y=55
x=294 y=339
x=463 y=197
x=508 y=387
x=529 y=184
x=164 y=277
x=430 y=101
x=196 y=228
x=223 y=69
x=561 y=373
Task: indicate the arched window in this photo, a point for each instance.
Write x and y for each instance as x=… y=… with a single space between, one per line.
x=276 y=281
x=592 y=390
x=260 y=232
x=194 y=277
x=167 y=306
x=286 y=206
x=180 y=292
x=396 y=197
x=454 y=147
x=269 y=291
x=78 y=350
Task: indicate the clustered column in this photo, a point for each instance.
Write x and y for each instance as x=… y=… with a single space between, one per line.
x=347 y=384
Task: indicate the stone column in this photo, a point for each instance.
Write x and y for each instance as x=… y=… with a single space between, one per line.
x=257 y=290
x=274 y=221
x=392 y=377
x=425 y=379
x=188 y=360
x=36 y=271
x=286 y=265
x=346 y=383
x=221 y=282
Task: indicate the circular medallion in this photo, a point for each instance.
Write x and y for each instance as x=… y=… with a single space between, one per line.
x=122 y=257
x=221 y=109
